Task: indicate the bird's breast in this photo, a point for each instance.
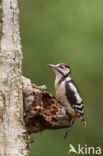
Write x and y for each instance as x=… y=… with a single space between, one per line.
x=61 y=97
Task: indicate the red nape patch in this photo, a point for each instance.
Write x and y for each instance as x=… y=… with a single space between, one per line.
x=64 y=64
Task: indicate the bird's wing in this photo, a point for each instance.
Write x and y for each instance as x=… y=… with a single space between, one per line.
x=73 y=96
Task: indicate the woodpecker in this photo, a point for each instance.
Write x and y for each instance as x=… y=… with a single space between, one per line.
x=68 y=93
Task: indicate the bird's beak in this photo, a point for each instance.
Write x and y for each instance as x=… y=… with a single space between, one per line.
x=52 y=66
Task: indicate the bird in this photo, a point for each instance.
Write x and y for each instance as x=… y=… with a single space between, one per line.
x=68 y=94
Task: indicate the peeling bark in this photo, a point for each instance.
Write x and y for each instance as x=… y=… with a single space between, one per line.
x=13 y=136
x=42 y=111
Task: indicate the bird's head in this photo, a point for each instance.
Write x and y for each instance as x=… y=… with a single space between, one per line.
x=61 y=69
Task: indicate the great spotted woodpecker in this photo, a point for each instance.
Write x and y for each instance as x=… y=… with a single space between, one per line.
x=67 y=93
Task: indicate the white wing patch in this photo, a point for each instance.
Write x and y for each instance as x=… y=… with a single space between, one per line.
x=79 y=99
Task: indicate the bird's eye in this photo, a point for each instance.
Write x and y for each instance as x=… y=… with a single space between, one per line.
x=62 y=67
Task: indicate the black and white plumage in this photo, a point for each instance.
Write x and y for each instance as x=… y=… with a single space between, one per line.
x=74 y=98
x=67 y=92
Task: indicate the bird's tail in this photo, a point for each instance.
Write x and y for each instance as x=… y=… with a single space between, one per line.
x=83 y=120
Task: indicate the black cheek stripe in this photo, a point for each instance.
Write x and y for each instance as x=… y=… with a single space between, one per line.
x=63 y=78
x=60 y=72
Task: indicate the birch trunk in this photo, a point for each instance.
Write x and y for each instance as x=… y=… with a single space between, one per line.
x=42 y=110
x=13 y=136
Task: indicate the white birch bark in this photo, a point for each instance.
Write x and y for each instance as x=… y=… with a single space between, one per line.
x=13 y=137
x=14 y=140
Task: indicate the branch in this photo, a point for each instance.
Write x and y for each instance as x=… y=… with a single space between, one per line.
x=42 y=111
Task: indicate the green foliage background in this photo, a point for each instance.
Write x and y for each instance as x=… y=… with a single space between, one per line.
x=70 y=31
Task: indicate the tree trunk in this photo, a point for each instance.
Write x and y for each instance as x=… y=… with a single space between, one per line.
x=13 y=136
x=20 y=101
